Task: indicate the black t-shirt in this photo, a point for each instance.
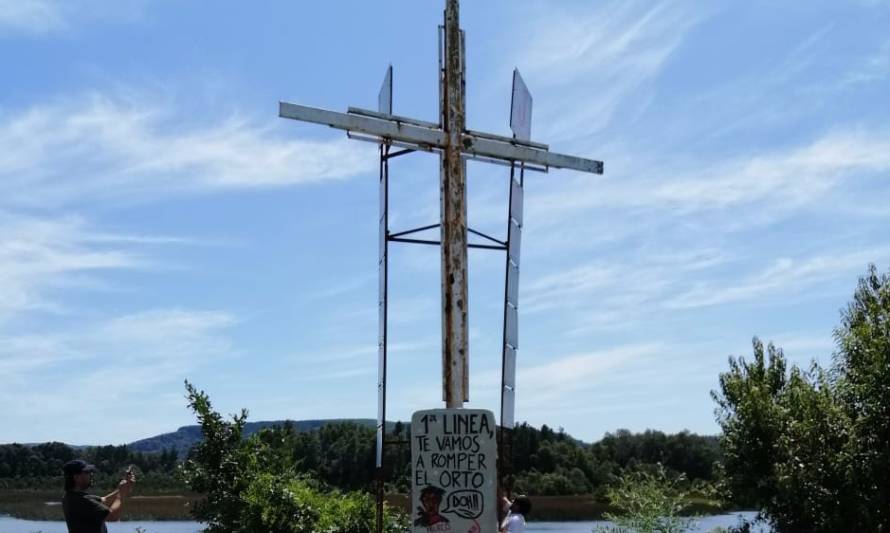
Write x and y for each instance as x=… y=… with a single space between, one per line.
x=84 y=513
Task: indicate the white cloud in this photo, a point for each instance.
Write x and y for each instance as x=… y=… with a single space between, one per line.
x=769 y=184
x=598 y=58
x=99 y=376
x=30 y=16
x=622 y=288
x=37 y=256
x=802 y=346
x=872 y=68
x=621 y=293
x=794 y=178
x=783 y=277
x=98 y=147
x=567 y=382
x=54 y=17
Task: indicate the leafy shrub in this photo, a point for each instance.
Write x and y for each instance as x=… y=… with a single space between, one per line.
x=648 y=501
x=252 y=485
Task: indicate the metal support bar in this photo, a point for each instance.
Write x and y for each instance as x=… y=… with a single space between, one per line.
x=378 y=140
x=509 y=140
x=484 y=236
x=400 y=152
x=396 y=118
x=414 y=241
x=487 y=246
x=437 y=243
x=508 y=164
x=410 y=231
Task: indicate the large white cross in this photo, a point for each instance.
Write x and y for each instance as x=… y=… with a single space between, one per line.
x=455 y=143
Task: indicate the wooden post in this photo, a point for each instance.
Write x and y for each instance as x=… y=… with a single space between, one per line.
x=453 y=194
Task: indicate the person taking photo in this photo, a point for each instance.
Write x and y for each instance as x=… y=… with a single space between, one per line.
x=517 y=511
x=86 y=513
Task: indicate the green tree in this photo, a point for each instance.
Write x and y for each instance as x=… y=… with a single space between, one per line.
x=253 y=484
x=862 y=368
x=810 y=448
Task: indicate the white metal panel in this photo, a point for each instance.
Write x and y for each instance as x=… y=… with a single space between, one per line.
x=521 y=108
x=379 y=454
x=508 y=407
x=512 y=326
x=384 y=97
x=515 y=242
x=516 y=201
x=510 y=367
x=513 y=284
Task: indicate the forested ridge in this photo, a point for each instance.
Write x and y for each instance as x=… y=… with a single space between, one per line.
x=341 y=453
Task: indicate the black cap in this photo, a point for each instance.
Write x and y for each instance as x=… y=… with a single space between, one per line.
x=524 y=504
x=77 y=466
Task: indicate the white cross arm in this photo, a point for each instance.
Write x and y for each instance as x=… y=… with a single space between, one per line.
x=425 y=136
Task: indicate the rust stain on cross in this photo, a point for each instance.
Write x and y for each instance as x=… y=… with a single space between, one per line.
x=453 y=194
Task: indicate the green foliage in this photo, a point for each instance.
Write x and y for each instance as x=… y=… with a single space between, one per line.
x=862 y=367
x=648 y=501
x=695 y=456
x=40 y=466
x=551 y=463
x=810 y=448
x=297 y=506
x=784 y=437
x=255 y=484
x=219 y=467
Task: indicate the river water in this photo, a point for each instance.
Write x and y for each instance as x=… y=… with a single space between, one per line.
x=14 y=525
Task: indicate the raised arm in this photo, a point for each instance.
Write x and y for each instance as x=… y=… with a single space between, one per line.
x=115 y=500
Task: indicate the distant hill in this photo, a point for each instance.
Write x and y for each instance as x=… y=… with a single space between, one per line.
x=185 y=437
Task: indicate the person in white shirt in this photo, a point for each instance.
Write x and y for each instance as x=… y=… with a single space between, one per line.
x=519 y=508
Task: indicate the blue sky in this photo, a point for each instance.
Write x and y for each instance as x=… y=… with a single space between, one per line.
x=158 y=221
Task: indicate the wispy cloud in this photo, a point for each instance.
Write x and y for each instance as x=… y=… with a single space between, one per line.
x=99 y=147
x=547 y=383
x=628 y=291
x=120 y=364
x=872 y=68
x=621 y=288
x=40 y=255
x=40 y=18
x=354 y=353
x=791 y=179
x=598 y=59
x=785 y=276
x=770 y=184
x=30 y=16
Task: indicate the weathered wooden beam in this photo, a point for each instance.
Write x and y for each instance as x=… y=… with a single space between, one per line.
x=426 y=134
x=495 y=149
x=453 y=194
x=387 y=129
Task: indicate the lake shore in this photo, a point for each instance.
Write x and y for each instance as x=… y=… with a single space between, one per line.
x=45 y=505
